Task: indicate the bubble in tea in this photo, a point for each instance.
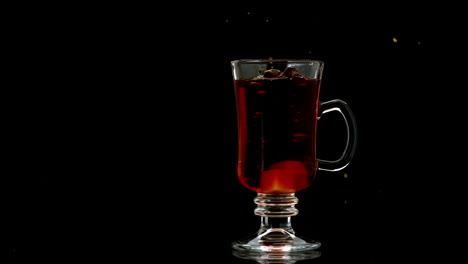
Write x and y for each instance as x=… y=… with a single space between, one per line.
x=277 y=125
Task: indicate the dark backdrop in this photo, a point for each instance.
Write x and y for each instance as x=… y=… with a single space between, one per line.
x=122 y=130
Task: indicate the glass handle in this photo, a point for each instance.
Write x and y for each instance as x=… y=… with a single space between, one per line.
x=350 y=148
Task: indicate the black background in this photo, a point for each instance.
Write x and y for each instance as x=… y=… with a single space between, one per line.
x=121 y=130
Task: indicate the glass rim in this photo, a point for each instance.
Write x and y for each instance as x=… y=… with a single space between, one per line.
x=253 y=61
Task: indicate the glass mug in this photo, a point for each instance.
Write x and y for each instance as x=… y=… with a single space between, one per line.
x=278 y=108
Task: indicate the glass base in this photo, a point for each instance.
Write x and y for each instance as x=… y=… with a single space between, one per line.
x=276 y=233
x=275 y=240
x=277 y=257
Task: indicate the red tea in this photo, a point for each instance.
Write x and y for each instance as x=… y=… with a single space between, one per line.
x=277 y=116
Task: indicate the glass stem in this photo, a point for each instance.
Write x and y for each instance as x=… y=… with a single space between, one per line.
x=276 y=211
x=267 y=223
x=276 y=205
